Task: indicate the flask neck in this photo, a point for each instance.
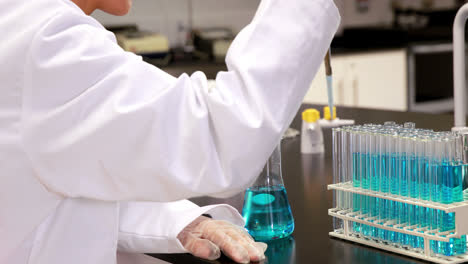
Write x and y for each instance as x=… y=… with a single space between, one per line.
x=271 y=174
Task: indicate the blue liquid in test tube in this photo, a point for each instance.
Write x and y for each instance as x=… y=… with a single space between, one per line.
x=424 y=184
x=404 y=238
x=394 y=189
x=374 y=184
x=434 y=214
x=366 y=230
x=355 y=142
x=460 y=244
x=412 y=164
x=384 y=187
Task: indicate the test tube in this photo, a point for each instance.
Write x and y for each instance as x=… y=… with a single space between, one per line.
x=447 y=220
x=356 y=165
x=449 y=187
x=403 y=148
x=384 y=182
x=460 y=244
x=374 y=177
x=458 y=169
x=433 y=149
x=413 y=175
x=387 y=180
x=457 y=187
x=365 y=177
x=464 y=157
x=447 y=156
x=346 y=157
x=424 y=183
x=337 y=177
x=336 y=157
x=394 y=182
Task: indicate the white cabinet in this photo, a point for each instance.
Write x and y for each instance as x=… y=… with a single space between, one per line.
x=375 y=80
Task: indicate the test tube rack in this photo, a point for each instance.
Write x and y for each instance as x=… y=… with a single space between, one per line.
x=461 y=216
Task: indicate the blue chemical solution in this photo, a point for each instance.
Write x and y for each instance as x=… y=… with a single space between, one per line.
x=457 y=189
x=404 y=238
x=365 y=183
x=424 y=191
x=267 y=213
x=404 y=191
x=356 y=183
x=365 y=229
x=375 y=172
x=383 y=234
x=414 y=211
x=446 y=223
x=412 y=176
x=446 y=181
x=460 y=243
x=365 y=171
x=435 y=245
x=384 y=188
x=394 y=181
x=356 y=208
x=424 y=184
x=446 y=185
x=434 y=214
x=375 y=181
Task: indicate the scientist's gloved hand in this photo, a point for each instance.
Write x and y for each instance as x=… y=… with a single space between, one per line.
x=206 y=238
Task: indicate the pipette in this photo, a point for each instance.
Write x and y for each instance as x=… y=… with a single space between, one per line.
x=330 y=119
x=328 y=72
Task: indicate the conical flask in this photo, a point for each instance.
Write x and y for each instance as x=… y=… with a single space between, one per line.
x=266 y=210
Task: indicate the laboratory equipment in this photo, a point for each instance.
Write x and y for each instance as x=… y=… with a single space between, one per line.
x=266 y=209
x=311 y=134
x=459 y=65
x=400 y=188
x=329 y=112
x=328 y=73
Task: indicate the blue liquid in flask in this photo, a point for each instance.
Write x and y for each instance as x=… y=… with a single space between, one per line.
x=267 y=213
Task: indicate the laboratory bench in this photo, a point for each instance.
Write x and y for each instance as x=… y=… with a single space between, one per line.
x=306 y=177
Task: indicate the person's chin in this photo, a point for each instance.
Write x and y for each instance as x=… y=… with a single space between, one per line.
x=122 y=12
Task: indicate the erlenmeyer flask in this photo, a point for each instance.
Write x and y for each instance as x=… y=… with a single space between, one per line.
x=266 y=210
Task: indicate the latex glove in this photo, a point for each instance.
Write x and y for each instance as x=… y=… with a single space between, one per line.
x=206 y=238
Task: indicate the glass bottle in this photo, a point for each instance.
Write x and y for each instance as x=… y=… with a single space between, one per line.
x=266 y=210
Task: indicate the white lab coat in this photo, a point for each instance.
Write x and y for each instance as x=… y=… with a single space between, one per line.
x=86 y=127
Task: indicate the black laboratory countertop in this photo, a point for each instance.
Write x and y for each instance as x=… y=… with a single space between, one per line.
x=306 y=178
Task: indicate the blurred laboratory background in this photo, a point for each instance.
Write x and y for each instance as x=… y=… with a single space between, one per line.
x=388 y=54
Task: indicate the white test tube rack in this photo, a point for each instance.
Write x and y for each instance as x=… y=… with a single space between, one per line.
x=348 y=216
x=460 y=209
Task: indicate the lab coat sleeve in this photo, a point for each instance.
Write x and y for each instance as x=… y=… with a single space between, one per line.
x=99 y=123
x=149 y=227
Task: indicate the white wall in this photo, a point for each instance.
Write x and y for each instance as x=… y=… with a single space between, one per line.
x=169 y=16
